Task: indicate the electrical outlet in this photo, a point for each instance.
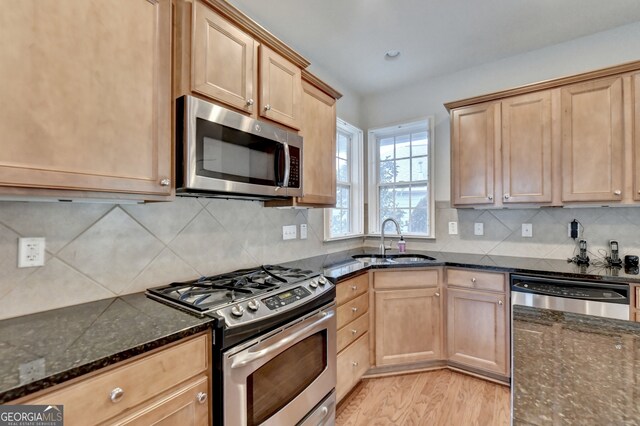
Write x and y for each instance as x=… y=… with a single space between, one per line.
x=453 y=228
x=478 y=228
x=31 y=371
x=527 y=230
x=289 y=232
x=30 y=252
x=303 y=231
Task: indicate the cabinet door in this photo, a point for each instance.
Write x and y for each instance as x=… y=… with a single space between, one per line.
x=592 y=141
x=472 y=154
x=408 y=326
x=223 y=59
x=87 y=107
x=280 y=89
x=477 y=330
x=636 y=136
x=186 y=406
x=319 y=133
x=526 y=148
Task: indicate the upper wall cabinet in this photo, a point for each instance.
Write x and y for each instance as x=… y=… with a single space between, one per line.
x=222 y=55
x=592 y=141
x=472 y=159
x=560 y=142
x=86 y=90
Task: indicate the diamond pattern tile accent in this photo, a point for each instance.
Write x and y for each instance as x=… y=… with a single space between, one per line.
x=165 y=220
x=113 y=251
x=11 y=275
x=164 y=269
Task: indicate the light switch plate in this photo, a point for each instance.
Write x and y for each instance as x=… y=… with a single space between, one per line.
x=527 y=230
x=453 y=228
x=303 y=231
x=289 y=232
x=478 y=228
x=30 y=252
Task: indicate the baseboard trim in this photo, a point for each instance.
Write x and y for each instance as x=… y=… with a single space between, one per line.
x=397 y=370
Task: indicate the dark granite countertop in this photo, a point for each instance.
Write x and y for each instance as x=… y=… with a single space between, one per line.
x=76 y=340
x=574 y=369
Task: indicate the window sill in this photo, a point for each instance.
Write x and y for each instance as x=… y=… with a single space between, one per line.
x=344 y=237
x=406 y=236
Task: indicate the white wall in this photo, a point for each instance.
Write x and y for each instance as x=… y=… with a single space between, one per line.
x=349 y=105
x=584 y=54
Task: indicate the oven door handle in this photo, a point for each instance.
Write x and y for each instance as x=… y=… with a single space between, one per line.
x=249 y=357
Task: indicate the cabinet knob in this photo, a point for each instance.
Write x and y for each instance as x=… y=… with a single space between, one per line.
x=354 y=309
x=437 y=294
x=617 y=192
x=267 y=107
x=116 y=395
x=354 y=331
x=354 y=363
x=473 y=280
x=249 y=102
x=500 y=302
x=354 y=287
x=201 y=397
x=506 y=196
x=490 y=197
x=165 y=182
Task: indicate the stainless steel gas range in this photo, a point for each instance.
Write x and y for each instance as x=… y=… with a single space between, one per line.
x=274 y=355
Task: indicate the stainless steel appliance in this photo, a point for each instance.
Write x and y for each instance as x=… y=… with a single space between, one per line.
x=222 y=153
x=274 y=352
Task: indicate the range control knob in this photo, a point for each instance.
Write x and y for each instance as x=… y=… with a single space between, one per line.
x=237 y=311
x=322 y=280
x=313 y=283
x=253 y=305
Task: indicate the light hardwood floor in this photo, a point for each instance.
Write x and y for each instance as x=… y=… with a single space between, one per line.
x=432 y=398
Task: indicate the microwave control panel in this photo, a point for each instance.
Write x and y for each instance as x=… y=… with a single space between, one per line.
x=286 y=298
x=294 y=172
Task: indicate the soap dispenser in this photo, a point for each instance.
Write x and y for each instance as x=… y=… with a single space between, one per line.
x=402 y=245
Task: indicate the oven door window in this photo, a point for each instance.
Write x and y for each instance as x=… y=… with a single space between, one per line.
x=283 y=378
x=233 y=155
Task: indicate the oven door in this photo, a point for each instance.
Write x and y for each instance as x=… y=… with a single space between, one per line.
x=279 y=378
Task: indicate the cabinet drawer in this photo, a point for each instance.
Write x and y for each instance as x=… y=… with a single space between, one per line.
x=352 y=363
x=351 y=289
x=352 y=331
x=139 y=380
x=469 y=278
x=405 y=279
x=352 y=310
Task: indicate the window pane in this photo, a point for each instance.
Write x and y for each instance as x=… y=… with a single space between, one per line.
x=420 y=168
x=335 y=222
x=403 y=170
x=387 y=203
x=402 y=216
x=419 y=144
x=419 y=220
x=387 y=171
x=343 y=170
x=346 y=197
x=419 y=196
x=402 y=197
x=403 y=146
x=343 y=146
x=344 y=221
x=386 y=149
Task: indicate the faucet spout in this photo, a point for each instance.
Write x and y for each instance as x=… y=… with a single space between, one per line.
x=383 y=248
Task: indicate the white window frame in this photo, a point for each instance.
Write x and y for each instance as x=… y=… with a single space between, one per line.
x=373 y=173
x=356 y=171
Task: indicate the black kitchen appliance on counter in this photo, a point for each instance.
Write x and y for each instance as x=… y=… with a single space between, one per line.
x=269 y=318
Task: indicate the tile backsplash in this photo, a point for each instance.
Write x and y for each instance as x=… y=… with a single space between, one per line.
x=96 y=251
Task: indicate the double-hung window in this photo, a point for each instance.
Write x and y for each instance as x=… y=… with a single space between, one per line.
x=346 y=219
x=400 y=178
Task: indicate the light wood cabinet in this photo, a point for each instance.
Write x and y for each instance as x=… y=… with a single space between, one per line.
x=224 y=60
x=167 y=384
x=636 y=136
x=477 y=330
x=473 y=140
x=592 y=141
x=408 y=326
x=86 y=109
x=352 y=298
x=280 y=89
x=526 y=148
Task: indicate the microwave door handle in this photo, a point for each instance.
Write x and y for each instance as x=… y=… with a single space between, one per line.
x=249 y=357
x=287 y=165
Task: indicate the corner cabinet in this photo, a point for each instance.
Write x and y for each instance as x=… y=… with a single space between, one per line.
x=408 y=316
x=134 y=393
x=84 y=114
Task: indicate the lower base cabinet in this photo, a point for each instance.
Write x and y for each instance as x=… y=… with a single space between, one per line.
x=352 y=363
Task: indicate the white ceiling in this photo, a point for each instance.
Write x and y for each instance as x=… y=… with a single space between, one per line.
x=348 y=38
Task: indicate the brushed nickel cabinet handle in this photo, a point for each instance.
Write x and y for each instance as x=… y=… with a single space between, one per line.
x=437 y=294
x=354 y=363
x=201 y=397
x=354 y=309
x=165 y=182
x=490 y=197
x=473 y=280
x=617 y=192
x=250 y=102
x=354 y=287
x=506 y=196
x=267 y=107
x=116 y=395
x=354 y=331
x=500 y=302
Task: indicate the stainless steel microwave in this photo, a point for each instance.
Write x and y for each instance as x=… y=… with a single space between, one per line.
x=221 y=153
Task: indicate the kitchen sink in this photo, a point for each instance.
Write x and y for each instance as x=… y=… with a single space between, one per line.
x=392 y=258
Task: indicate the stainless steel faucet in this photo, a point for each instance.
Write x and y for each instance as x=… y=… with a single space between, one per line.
x=383 y=248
